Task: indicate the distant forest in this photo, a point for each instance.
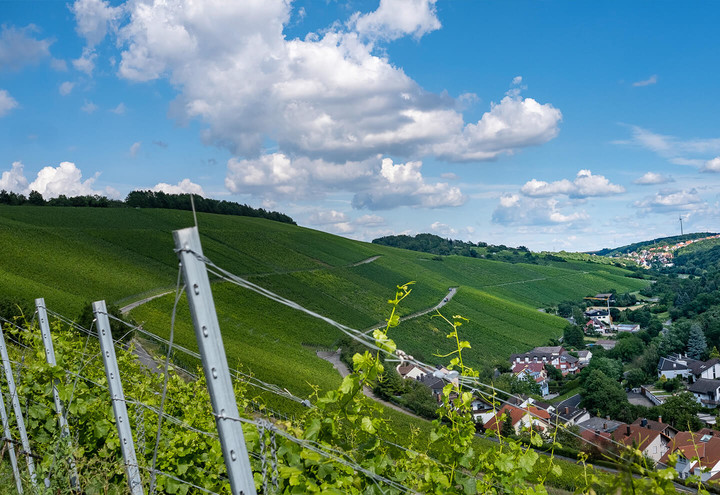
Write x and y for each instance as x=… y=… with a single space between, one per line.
x=146 y=199
x=433 y=244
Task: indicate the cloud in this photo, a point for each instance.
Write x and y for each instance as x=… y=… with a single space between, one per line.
x=652 y=178
x=86 y=62
x=120 y=109
x=443 y=229
x=277 y=175
x=328 y=96
x=584 y=185
x=93 y=18
x=672 y=148
x=514 y=209
x=449 y=176
x=58 y=65
x=338 y=222
x=712 y=165
x=89 y=107
x=66 y=88
x=7 y=103
x=397 y=18
x=185 y=186
x=672 y=200
x=65 y=179
x=135 y=148
x=14 y=179
x=402 y=184
x=647 y=82
x=19 y=47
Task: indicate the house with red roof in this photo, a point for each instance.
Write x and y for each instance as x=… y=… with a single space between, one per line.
x=533 y=371
x=522 y=419
x=697 y=454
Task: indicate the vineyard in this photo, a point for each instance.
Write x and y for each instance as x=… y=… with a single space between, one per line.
x=167 y=438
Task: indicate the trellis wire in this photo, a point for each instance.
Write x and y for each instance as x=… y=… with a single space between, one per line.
x=355 y=334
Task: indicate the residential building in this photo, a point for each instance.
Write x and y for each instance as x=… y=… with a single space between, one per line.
x=556 y=356
x=706 y=392
x=705 y=369
x=522 y=419
x=673 y=366
x=652 y=443
x=533 y=371
x=570 y=415
x=697 y=453
x=410 y=371
x=664 y=428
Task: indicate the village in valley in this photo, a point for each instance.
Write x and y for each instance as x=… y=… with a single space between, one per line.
x=544 y=407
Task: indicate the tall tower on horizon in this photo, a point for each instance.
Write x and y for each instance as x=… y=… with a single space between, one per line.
x=681 y=227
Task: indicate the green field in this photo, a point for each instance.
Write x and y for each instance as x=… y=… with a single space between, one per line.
x=71 y=256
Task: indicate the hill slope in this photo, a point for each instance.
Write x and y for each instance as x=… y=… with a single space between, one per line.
x=74 y=255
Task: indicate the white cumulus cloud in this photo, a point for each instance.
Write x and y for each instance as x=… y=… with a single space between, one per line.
x=397 y=18
x=14 y=179
x=712 y=165
x=584 y=185
x=185 y=186
x=652 y=178
x=328 y=96
x=673 y=200
x=7 y=103
x=65 y=179
x=514 y=209
x=86 y=62
x=93 y=18
x=402 y=184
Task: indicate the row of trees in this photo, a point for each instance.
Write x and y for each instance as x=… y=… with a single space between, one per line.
x=146 y=199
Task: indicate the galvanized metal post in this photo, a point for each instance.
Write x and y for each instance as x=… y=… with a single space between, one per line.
x=212 y=352
x=10 y=446
x=16 y=407
x=50 y=358
x=122 y=420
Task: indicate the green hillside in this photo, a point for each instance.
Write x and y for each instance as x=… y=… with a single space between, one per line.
x=75 y=255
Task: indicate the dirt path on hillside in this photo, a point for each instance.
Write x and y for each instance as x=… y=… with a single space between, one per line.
x=133 y=305
x=334 y=359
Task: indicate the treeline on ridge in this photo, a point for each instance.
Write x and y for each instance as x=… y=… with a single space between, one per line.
x=434 y=244
x=146 y=199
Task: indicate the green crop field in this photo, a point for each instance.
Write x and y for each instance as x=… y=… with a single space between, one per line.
x=71 y=256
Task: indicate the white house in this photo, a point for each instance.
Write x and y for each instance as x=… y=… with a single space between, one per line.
x=706 y=392
x=673 y=366
x=705 y=369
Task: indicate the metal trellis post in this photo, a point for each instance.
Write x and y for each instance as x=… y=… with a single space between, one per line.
x=50 y=357
x=8 y=442
x=16 y=407
x=122 y=420
x=217 y=373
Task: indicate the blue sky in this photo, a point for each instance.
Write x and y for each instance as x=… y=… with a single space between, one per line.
x=554 y=125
